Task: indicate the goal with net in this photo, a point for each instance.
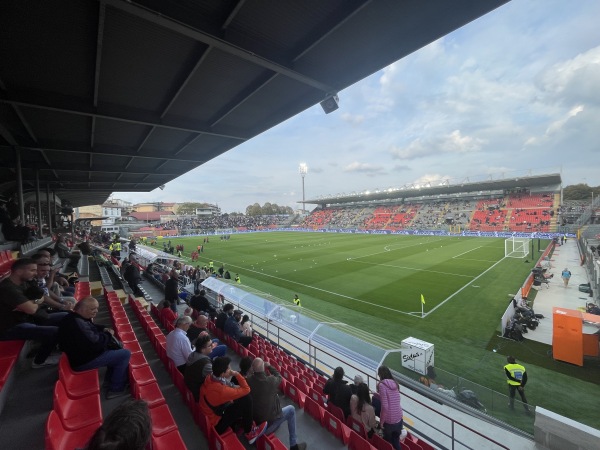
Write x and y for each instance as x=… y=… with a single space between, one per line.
x=516 y=247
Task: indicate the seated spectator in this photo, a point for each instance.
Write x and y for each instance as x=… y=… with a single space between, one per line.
x=591 y=308
x=178 y=345
x=198 y=365
x=51 y=300
x=17 y=314
x=265 y=402
x=225 y=404
x=56 y=281
x=362 y=410
x=87 y=346
x=246 y=326
x=222 y=317
x=167 y=315
x=127 y=427
x=201 y=304
x=234 y=329
x=338 y=391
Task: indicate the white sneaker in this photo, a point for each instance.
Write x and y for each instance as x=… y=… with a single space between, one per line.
x=403 y=434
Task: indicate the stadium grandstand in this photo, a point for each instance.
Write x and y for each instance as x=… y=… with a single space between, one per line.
x=103 y=96
x=525 y=204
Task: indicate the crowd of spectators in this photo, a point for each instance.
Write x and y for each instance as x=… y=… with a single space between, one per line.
x=224 y=221
x=524 y=213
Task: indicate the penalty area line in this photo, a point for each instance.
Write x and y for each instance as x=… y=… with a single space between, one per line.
x=465 y=286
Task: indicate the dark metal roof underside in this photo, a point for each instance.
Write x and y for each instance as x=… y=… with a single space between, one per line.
x=112 y=95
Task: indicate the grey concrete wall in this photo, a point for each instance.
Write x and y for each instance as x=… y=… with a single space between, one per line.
x=555 y=432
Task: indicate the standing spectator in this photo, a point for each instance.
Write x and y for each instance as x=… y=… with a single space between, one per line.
x=266 y=404
x=224 y=403
x=178 y=345
x=127 y=427
x=87 y=346
x=566 y=276
x=362 y=410
x=338 y=391
x=391 y=410
x=172 y=290
x=234 y=329
x=18 y=313
x=132 y=276
x=516 y=379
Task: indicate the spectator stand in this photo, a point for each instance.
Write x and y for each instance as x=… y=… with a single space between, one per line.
x=305 y=346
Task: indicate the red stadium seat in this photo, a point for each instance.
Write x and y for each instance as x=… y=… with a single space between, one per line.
x=357 y=426
x=314 y=409
x=294 y=394
x=77 y=414
x=168 y=441
x=336 y=412
x=137 y=360
x=336 y=427
x=225 y=441
x=58 y=438
x=162 y=420
x=270 y=442
x=141 y=376
x=150 y=393
x=317 y=397
x=379 y=443
x=78 y=384
x=356 y=442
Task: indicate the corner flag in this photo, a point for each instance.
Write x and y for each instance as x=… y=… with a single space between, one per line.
x=422 y=299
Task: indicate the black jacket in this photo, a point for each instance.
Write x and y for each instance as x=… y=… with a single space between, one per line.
x=81 y=339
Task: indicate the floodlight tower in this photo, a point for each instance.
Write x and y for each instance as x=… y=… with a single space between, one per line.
x=303 y=171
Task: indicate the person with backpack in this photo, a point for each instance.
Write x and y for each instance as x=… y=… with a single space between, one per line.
x=566 y=276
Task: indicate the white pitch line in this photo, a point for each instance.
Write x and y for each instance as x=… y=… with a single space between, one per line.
x=318 y=289
x=479 y=260
x=412 y=268
x=464 y=253
x=465 y=286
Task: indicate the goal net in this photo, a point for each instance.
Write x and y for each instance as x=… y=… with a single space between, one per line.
x=516 y=247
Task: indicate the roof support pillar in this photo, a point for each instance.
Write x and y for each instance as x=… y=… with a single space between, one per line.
x=20 y=184
x=38 y=201
x=49 y=204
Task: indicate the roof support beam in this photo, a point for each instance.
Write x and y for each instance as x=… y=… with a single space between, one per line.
x=119 y=114
x=220 y=44
x=104 y=151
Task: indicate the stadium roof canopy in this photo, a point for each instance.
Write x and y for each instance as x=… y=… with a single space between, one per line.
x=113 y=95
x=550 y=181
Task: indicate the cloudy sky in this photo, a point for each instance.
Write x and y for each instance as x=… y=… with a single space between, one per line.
x=515 y=91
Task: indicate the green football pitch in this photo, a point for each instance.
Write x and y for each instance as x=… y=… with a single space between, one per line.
x=375 y=282
x=378 y=275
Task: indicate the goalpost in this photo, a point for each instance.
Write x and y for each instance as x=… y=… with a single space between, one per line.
x=516 y=247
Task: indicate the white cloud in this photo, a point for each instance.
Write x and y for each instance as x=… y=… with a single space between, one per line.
x=453 y=142
x=366 y=168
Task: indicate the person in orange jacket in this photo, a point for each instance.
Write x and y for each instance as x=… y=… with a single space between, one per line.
x=224 y=403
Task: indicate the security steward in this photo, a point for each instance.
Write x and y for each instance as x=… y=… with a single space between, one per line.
x=516 y=379
x=297 y=300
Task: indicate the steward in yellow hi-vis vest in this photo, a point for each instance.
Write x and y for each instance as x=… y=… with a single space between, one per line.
x=297 y=300
x=516 y=379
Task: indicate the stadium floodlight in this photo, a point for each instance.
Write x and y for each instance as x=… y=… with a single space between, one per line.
x=303 y=171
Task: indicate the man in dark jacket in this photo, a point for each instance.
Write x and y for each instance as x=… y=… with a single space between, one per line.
x=223 y=316
x=199 y=365
x=172 y=290
x=233 y=329
x=132 y=276
x=338 y=391
x=200 y=303
x=265 y=401
x=86 y=345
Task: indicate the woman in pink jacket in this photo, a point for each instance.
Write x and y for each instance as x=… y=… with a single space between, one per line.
x=391 y=410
